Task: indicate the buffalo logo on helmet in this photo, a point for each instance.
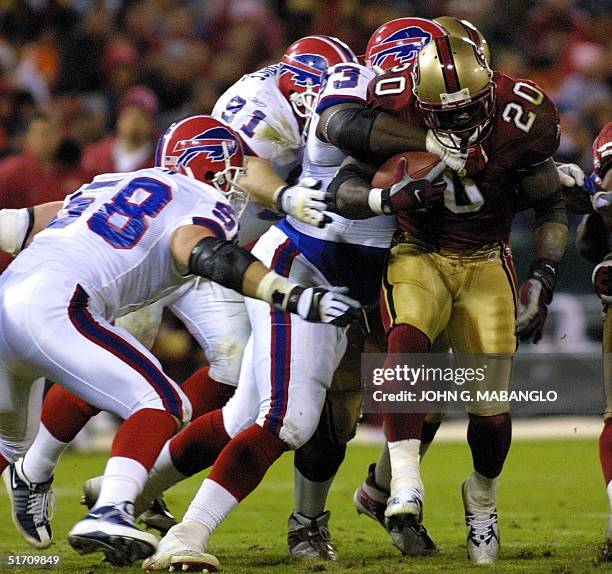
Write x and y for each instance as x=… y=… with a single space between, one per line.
x=399 y=47
x=209 y=143
x=304 y=69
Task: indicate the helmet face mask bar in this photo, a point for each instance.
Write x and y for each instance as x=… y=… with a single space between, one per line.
x=455 y=92
x=206 y=150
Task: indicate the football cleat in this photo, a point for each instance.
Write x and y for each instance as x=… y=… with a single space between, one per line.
x=173 y=554
x=371 y=500
x=32 y=506
x=156 y=517
x=309 y=538
x=482 y=533
x=110 y=530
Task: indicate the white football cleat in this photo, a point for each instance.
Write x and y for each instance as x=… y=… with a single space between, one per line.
x=175 y=555
x=110 y=529
x=483 y=540
x=309 y=538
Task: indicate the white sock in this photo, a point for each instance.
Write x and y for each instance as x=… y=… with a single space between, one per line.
x=405 y=463
x=310 y=497
x=42 y=457
x=609 y=491
x=192 y=534
x=123 y=480
x=162 y=476
x=481 y=493
x=382 y=471
x=211 y=505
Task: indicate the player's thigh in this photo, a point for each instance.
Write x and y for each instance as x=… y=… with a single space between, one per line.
x=483 y=318
x=144 y=323
x=607 y=360
x=100 y=362
x=218 y=320
x=414 y=292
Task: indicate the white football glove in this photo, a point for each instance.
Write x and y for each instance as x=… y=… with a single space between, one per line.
x=324 y=305
x=455 y=159
x=304 y=201
x=570 y=175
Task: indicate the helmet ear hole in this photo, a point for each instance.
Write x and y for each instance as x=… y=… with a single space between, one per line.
x=209 y=175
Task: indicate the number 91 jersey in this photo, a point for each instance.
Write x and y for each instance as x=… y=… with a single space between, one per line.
x=114 y=236
x=479 y=210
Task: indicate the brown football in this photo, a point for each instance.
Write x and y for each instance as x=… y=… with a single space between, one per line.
x=419 y=164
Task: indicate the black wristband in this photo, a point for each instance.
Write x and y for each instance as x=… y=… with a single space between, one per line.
x=278 y=201
x=545 y=270
x=292 y=299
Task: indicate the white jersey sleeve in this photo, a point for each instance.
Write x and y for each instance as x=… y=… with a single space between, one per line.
x=256 y=109
x=344 y=83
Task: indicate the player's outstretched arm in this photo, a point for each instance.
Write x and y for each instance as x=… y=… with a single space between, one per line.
x=200 y=253
x=304 y=201
x=19 y=226
x=541 y=188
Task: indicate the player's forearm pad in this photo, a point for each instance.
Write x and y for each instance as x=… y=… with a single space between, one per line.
x=350 y=129
x=15 y=225
x=545 y=270
x=221 y=261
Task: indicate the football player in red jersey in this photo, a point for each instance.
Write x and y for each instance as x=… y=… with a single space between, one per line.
x=450 y=267
x=593 y=242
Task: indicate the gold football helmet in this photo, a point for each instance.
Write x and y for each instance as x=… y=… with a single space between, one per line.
x=454 y=89
x=467 y=31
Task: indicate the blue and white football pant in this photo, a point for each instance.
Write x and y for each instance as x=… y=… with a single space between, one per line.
x=50 y=328
x=289 y=363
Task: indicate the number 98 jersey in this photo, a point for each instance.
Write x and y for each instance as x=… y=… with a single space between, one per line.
x=114 y=236
x=479 y=210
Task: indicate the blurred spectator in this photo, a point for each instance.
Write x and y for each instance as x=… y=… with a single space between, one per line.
x=133 y=146
x=46 y=170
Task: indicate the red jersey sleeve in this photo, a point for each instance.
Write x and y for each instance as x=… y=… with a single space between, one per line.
x=527 y=122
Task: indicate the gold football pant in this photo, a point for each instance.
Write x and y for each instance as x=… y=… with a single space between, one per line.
x=471 y=296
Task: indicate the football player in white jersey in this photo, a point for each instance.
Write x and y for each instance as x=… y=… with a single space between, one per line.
x=119 y=243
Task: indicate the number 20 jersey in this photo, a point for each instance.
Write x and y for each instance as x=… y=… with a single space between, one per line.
x=114 y=236
x=479 y=210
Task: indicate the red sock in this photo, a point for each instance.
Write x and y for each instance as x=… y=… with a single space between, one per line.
x=142 y=436
x=243 y=463
x=605 y=450
x=489 y=439
x=3 y=463
x=405 y=339
x=197 y=446
x=205 y=393
x=64 y=414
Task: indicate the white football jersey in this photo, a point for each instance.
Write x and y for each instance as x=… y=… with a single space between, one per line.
x=342 y=83
x=255 y=108
x=114 y=235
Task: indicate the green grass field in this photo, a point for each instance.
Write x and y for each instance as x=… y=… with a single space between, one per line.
x=552 y=506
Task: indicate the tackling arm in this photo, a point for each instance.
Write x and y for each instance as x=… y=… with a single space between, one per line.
x=199 y=252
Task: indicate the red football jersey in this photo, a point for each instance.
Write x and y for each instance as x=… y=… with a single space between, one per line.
x=479 y=210
x=602 y=151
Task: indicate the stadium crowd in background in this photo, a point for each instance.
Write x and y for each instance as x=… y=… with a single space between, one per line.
x=105 y=76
